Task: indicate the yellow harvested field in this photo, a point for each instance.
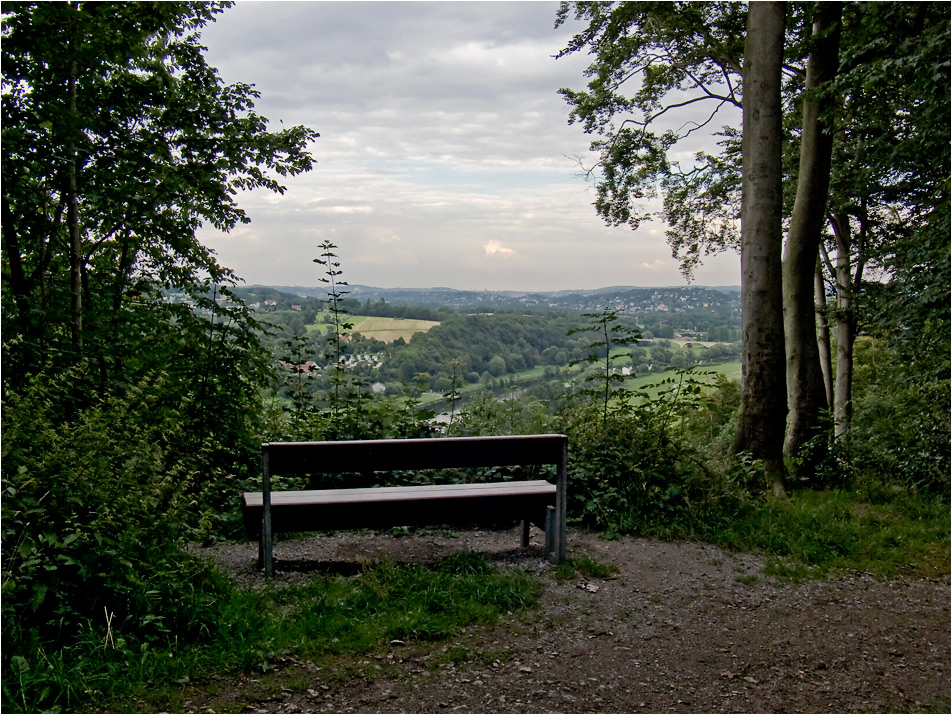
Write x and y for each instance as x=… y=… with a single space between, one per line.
x=389 y=329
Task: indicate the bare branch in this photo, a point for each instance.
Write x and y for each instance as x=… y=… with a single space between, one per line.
x=685 y=103
x=702 y=124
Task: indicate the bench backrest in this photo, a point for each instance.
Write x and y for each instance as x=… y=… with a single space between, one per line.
x=293 y=458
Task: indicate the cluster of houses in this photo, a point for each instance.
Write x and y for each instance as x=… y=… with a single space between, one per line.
x=350 y=361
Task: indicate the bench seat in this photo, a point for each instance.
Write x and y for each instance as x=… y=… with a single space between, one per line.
x=384 y=507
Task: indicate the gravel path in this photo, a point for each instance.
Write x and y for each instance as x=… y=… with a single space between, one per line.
x=681 y=627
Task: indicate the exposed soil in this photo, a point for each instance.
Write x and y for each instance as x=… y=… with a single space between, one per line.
x=681 y=627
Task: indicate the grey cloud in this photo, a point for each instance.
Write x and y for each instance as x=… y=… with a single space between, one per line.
x=441 y=130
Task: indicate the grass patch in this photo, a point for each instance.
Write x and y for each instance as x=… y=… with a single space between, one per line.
x=256 y=629
x=357 y=615
x=817 y=532
x=584 y=565
x=649 y=382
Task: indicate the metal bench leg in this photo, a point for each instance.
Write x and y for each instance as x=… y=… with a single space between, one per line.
x=560 y=517
x=525 y=533
x=267 y=536
x=551 y=537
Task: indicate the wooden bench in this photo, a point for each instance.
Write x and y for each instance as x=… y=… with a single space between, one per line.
x=536 y=502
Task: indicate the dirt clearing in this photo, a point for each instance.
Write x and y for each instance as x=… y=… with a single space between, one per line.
x=680 y=627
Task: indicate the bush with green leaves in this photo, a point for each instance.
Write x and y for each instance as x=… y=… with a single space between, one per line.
x=98 y=504
x=623 y=473
x=643 y=467
x=901 y=430
x=486 y=415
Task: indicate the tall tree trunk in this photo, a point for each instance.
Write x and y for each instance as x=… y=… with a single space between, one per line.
x=823 y=332
x=18 y=284
x=763 y=397
x=72 y=206
x=847 y=282
x=805 y=389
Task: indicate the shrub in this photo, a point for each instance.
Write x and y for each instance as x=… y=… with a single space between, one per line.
x=97 y=508
x=657 y=464
x=486 y=415
x=901 y=430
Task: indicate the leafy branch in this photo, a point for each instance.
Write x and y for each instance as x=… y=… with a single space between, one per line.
x=610 y=335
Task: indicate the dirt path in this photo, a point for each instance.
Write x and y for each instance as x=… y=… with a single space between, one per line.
x=680 y=628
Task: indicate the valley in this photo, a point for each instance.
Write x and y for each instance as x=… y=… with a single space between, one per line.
x=508 y=344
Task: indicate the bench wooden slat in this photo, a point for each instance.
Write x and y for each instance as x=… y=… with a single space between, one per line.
x=385 y=507
x=398 y=494
x=400 y=454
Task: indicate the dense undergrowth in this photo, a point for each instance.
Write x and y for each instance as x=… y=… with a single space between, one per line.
x=250 y=630
x=101 y=600
x=95 y=585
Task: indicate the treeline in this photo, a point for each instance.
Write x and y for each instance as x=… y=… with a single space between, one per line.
x=289 y=315
x=494 y=344
x=382 y=309
x=488 y=349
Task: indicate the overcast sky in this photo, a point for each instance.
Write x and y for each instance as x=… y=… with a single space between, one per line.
x=445 y=156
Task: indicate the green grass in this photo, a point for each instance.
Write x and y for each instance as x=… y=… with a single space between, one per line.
x=816 y=533
x=731 y=370
x=325 y=616
x=641 y=382
x=584 y=565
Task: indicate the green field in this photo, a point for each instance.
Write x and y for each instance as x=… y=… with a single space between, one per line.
x=384 y=329
x=731 y=370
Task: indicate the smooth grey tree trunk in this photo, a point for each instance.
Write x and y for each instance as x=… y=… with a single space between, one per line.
x=760 y=427
x=848 y=279
x=806 y=394
x=72 y=220
x=823 y=333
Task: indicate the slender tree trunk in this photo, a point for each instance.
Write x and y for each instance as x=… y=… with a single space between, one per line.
x=72 y=210
x=14 y=258
x=763 y=398
x=805 y=388
x=846 y=321
x=823 y=332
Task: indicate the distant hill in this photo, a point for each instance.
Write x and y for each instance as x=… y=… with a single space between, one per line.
x=623 y=298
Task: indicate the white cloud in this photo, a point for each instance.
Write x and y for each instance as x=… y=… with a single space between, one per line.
x=443 y=142
x=493 y=247
x=344 y=209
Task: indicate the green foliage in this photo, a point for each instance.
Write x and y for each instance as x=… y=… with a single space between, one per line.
x=900 y=434
x=496 y=344
x=609 y=335
x=335 y=338
x=252 y=629
x=814 y=533
x=517 y=414
x=452 y=395
x=632 y=472
x=119 y=141
x=682 y=54
x=83 y=549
